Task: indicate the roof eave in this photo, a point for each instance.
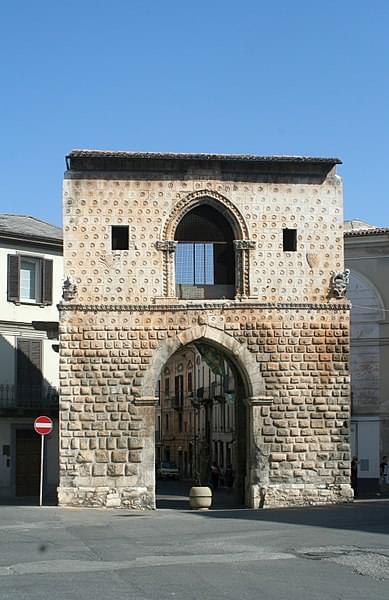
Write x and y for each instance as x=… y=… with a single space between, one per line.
x=41 y=240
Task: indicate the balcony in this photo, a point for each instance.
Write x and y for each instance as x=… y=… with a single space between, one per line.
x=28 y=398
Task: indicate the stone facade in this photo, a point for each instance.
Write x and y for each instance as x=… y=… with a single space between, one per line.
x=286 y=332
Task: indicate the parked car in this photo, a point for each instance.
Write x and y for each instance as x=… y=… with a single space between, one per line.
x=168 y=470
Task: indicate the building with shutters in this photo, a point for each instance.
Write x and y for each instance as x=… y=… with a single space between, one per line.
x=31 y=272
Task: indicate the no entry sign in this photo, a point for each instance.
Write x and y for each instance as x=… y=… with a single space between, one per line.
x=43 y=425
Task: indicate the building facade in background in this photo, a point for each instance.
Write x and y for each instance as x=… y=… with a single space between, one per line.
x=31 y=271
x=242 y=254
x=367 y=257
x=195 y=414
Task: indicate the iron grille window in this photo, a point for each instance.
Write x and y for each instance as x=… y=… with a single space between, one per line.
x=194 y=264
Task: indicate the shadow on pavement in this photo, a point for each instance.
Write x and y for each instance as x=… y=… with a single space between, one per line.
x=362 y=515
x=27 y=501
x=368 y=516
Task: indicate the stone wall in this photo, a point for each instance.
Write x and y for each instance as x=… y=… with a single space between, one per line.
x=152 y=209
x=299 y=450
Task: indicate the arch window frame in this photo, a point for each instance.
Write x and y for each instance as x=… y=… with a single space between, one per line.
x=242 y=244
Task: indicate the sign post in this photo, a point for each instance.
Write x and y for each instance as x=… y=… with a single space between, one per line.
x=42 y=425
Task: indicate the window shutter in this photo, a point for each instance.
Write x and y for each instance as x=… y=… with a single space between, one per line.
x=47 y=281
x=36 y=356
x=13 y=277
x=29 y=362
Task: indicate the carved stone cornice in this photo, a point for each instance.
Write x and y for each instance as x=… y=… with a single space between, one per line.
x=208 y=305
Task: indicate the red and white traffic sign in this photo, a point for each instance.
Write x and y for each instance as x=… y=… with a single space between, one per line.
x=43 y=425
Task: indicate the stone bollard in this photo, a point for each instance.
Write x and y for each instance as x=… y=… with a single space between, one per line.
x=200 y=497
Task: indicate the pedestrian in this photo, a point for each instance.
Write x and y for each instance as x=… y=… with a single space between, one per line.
x=384 y=475
x=229 y=476
x=354 y=475
x=215 y=475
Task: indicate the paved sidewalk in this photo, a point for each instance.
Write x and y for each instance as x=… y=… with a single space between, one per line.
x=294 y=554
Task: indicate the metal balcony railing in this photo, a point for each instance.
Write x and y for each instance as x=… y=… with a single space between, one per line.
x=22 y=396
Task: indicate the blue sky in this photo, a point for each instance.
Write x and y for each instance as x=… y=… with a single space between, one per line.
x=281 y=77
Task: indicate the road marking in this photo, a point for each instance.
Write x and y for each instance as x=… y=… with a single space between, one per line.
x=79 y=566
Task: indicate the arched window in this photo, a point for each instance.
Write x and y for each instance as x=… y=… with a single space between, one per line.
x=205 y=263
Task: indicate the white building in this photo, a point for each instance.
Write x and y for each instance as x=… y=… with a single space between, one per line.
x=367 y=257
x=31 y=274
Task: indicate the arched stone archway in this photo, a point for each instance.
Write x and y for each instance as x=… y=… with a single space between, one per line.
x=252 y=394
x=238 y=353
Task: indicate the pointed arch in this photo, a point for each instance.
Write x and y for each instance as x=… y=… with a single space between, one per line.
x=214 y=199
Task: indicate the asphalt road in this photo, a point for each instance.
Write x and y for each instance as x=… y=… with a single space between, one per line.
x=305 y=553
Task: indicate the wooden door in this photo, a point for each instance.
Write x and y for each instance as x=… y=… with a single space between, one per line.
x=28 y=455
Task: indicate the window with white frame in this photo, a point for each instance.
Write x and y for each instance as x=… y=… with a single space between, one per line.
x=30 y=279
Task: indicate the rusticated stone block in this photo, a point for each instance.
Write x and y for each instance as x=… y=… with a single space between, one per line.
x=101 y=456
x=131 y=470
x=85 y=456
x=135 y=443
x=115 y=470
x=119 y=456
x=135 y=456
x=99 y=470
x=278 y=457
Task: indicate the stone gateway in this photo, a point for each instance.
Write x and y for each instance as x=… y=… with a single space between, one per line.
x=242 y=253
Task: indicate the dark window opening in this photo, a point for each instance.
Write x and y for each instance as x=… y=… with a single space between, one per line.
x=167 y=387
x=179 y=391
x=190 y=382
x=289 y=239
x=205 y=260
x=29 y=376
x=120 y=237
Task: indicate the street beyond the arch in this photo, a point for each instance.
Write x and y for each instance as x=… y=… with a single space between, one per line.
x=284 y=554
